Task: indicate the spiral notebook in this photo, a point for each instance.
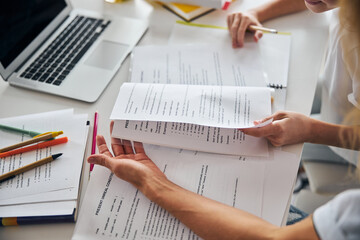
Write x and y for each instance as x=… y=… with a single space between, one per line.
x=275 y=51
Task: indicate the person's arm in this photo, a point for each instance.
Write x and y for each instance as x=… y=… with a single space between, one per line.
x=290 y=127
x=213 y=220
x=278 y=8
x=335 y=135
x=207 y=218
x=239 y=22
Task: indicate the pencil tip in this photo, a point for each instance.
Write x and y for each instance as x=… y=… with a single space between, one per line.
x=55 y=156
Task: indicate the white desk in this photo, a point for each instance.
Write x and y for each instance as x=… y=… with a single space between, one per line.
x=309 y=35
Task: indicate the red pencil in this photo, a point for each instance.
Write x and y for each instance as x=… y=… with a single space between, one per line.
x=35 y=146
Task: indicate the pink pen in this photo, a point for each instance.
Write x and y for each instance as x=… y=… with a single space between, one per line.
x=93 y=146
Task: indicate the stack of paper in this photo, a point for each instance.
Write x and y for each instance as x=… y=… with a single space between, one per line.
x=48 y=193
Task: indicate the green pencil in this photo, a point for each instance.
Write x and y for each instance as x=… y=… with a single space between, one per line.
x=19 y=130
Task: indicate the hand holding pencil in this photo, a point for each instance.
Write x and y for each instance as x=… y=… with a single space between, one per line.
x=238 y=23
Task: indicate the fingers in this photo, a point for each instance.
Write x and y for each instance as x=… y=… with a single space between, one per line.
x=257 y=122
x=238 y=23
x=244 y=24
x=139 y=148
x=265 y=131
x=121 y=147
x=127 y=147
x=101 y=144
x=234 y=27
x=100 y=159
x=258 y=34
x=116 y=144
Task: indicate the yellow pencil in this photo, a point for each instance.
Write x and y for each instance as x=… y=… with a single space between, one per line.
x=31 y=141
x=28 y=167
x=251 y=27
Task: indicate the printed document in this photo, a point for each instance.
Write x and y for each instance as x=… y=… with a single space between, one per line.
x=114 y=209
x=49 y=177
x=198 y=64
x=203 y=118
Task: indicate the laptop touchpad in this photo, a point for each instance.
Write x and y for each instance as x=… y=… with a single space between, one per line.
x=107 y=54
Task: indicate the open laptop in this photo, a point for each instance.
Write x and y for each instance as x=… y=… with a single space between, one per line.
x=48 y=46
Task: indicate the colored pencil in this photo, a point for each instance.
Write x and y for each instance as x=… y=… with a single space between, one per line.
x=19 y=130
x=35 y=146
x=31 y=141
x=93 y=146
x=28 y=167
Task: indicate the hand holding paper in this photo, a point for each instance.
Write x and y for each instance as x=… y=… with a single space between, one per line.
x=287 y=128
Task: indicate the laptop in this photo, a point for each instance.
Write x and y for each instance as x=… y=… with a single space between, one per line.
x=48 y=46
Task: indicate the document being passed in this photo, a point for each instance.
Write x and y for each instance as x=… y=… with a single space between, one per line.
x=194 y=117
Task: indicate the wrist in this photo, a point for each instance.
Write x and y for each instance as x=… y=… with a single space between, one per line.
x=154 y=188
x=254 y=13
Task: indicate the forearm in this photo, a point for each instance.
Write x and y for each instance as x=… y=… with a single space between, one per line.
x=334 y=135
x=277 y=8
x=207 y=218
x=212 y=220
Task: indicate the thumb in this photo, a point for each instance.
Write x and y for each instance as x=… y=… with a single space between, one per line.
x=258 y=34
x=257 y=122
x=100 y=159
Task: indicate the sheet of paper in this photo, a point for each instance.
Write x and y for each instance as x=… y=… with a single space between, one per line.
x=275 y=54
x=116 y=210
x=272 y=50
x=190 y=116
x=52 y=176
x=56 y=195
x=192 y=137
x=39 y=209
x=281 y=171
x=198 y=64
x=216 y=106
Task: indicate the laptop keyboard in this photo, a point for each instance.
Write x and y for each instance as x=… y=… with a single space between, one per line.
x=60 y=57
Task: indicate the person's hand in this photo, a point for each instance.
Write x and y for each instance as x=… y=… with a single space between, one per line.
x=286 y=128
x=238 y=23
x=133 y=167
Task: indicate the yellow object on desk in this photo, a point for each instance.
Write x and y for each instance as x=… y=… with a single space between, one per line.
x=252 y=27
x=185 y=11
x=116 y=1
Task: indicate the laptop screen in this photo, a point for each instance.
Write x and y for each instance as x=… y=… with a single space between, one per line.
x=21 y=21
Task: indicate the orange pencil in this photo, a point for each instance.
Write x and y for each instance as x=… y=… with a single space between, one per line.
x=42 y=137
x=35 y=146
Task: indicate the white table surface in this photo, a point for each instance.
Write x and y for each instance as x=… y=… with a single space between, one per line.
x=309 y=33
